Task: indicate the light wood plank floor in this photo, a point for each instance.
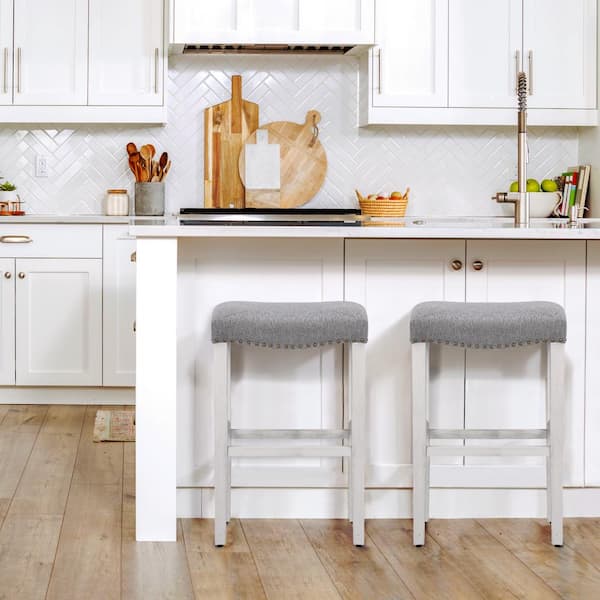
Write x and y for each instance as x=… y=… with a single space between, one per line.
x=67 y=531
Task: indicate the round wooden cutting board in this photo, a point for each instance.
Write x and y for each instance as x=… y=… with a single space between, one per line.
x=303 y=159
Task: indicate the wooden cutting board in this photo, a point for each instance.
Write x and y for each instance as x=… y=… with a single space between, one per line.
x=226 y=127
x=303 y=159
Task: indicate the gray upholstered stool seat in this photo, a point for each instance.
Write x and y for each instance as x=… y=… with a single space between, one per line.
x=289 y=324
x=488 y=325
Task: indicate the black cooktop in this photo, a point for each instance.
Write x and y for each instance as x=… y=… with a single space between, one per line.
x=312 y=217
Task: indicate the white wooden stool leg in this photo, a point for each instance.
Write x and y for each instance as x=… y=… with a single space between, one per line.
x=229 y=460
x=557 y=401
x=358 y=438
x=220 y=379
x=548 y=462
x=420 y=383
x=347 y=424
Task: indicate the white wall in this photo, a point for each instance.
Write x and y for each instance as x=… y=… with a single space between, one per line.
x=451 y=170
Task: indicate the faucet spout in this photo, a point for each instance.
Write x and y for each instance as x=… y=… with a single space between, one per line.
x=521 y=198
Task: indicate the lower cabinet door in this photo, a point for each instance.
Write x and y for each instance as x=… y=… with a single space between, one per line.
x=59 y=322
x=118 y=307
x=506 y=388
x=7 y=321
x=389 y=277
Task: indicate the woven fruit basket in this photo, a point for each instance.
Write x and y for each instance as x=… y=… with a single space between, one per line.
x=384 y=206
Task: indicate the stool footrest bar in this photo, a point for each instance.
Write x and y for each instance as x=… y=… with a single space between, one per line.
x=289 y=434
x=487 y=451
x=285 y=451
x=488 y=434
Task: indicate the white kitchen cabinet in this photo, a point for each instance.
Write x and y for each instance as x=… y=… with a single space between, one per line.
x=59 y=322
x=457 y=64
x=505 y=388
x=270 y=388
x=389 y=277
x=126 y=52
x=50 y=52
x=7 y=321
x=553 y=41
x=559 y=53
x=339 y=22
x=592 y=366
x=6 y=51
x=118 y=293
x=485 y=49
x=410 y=60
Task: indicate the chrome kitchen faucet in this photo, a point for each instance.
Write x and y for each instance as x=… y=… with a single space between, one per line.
x=521 y=198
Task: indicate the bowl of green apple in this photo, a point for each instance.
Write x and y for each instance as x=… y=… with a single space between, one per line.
x=543 y=198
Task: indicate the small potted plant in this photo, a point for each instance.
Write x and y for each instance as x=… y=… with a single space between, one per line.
x=8 y=192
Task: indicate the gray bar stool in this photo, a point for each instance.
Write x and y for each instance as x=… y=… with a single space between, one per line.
x=288 y=326
x=488 y=326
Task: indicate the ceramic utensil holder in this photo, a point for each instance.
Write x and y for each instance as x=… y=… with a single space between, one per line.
x=150 y=199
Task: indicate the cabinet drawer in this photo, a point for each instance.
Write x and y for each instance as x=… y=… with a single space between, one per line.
x=50 y=241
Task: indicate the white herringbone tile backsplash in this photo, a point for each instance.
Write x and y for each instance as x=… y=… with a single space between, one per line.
x=450 y=170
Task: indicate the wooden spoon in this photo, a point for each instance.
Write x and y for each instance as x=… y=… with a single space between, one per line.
x=165 y=171
x=133 y=166
x=131 y=148
x=140 y=167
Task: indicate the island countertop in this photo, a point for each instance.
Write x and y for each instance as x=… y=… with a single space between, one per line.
x=407 y=228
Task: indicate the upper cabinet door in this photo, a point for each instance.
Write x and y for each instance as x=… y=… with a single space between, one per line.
x=343 y=22
x=50 y=52
x=485 y=39
x=559 y=52
x=6 y=51
x=411 y=61
x=126 y=52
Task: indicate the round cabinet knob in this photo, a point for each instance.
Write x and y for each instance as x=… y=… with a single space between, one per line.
x=21 y=275
x=133 y=257
x=477 y=265
x=7 y=275
x=456 y=264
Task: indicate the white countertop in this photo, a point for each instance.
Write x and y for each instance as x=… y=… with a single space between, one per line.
x=410 y=227
x=66 y=219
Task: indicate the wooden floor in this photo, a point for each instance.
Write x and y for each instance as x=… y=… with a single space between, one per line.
x=67 y=531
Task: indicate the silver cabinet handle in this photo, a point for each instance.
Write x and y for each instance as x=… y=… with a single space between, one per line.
x=7 y=275
x=379 y=71
x=18 y=70
x=156 y=76
x=5 y=71
x=517 y=69
x=22 y=275
x=456 y=264
x=530 y=78
x=477 y=265
x=15 y=239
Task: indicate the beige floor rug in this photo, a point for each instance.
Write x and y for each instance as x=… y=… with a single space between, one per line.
x=114 y=426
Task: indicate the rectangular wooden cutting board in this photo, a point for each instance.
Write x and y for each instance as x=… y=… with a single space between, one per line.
x=226 y=128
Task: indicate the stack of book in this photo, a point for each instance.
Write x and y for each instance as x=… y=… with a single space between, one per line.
x=573 y=184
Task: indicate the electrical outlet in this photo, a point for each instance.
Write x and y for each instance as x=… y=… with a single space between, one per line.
x=41 y=166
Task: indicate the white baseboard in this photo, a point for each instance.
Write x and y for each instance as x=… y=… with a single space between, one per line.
x=330 y=503
x=62 y=395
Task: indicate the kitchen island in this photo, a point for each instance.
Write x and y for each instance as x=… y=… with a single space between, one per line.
x=183 y=271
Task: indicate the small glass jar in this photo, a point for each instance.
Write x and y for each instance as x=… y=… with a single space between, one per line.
x=116 y=203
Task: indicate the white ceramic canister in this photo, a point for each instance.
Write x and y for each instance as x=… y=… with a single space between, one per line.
x=116 y=203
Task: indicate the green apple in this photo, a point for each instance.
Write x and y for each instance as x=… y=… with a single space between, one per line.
x=549 y=185
x=533 y=185
x=514 y=186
